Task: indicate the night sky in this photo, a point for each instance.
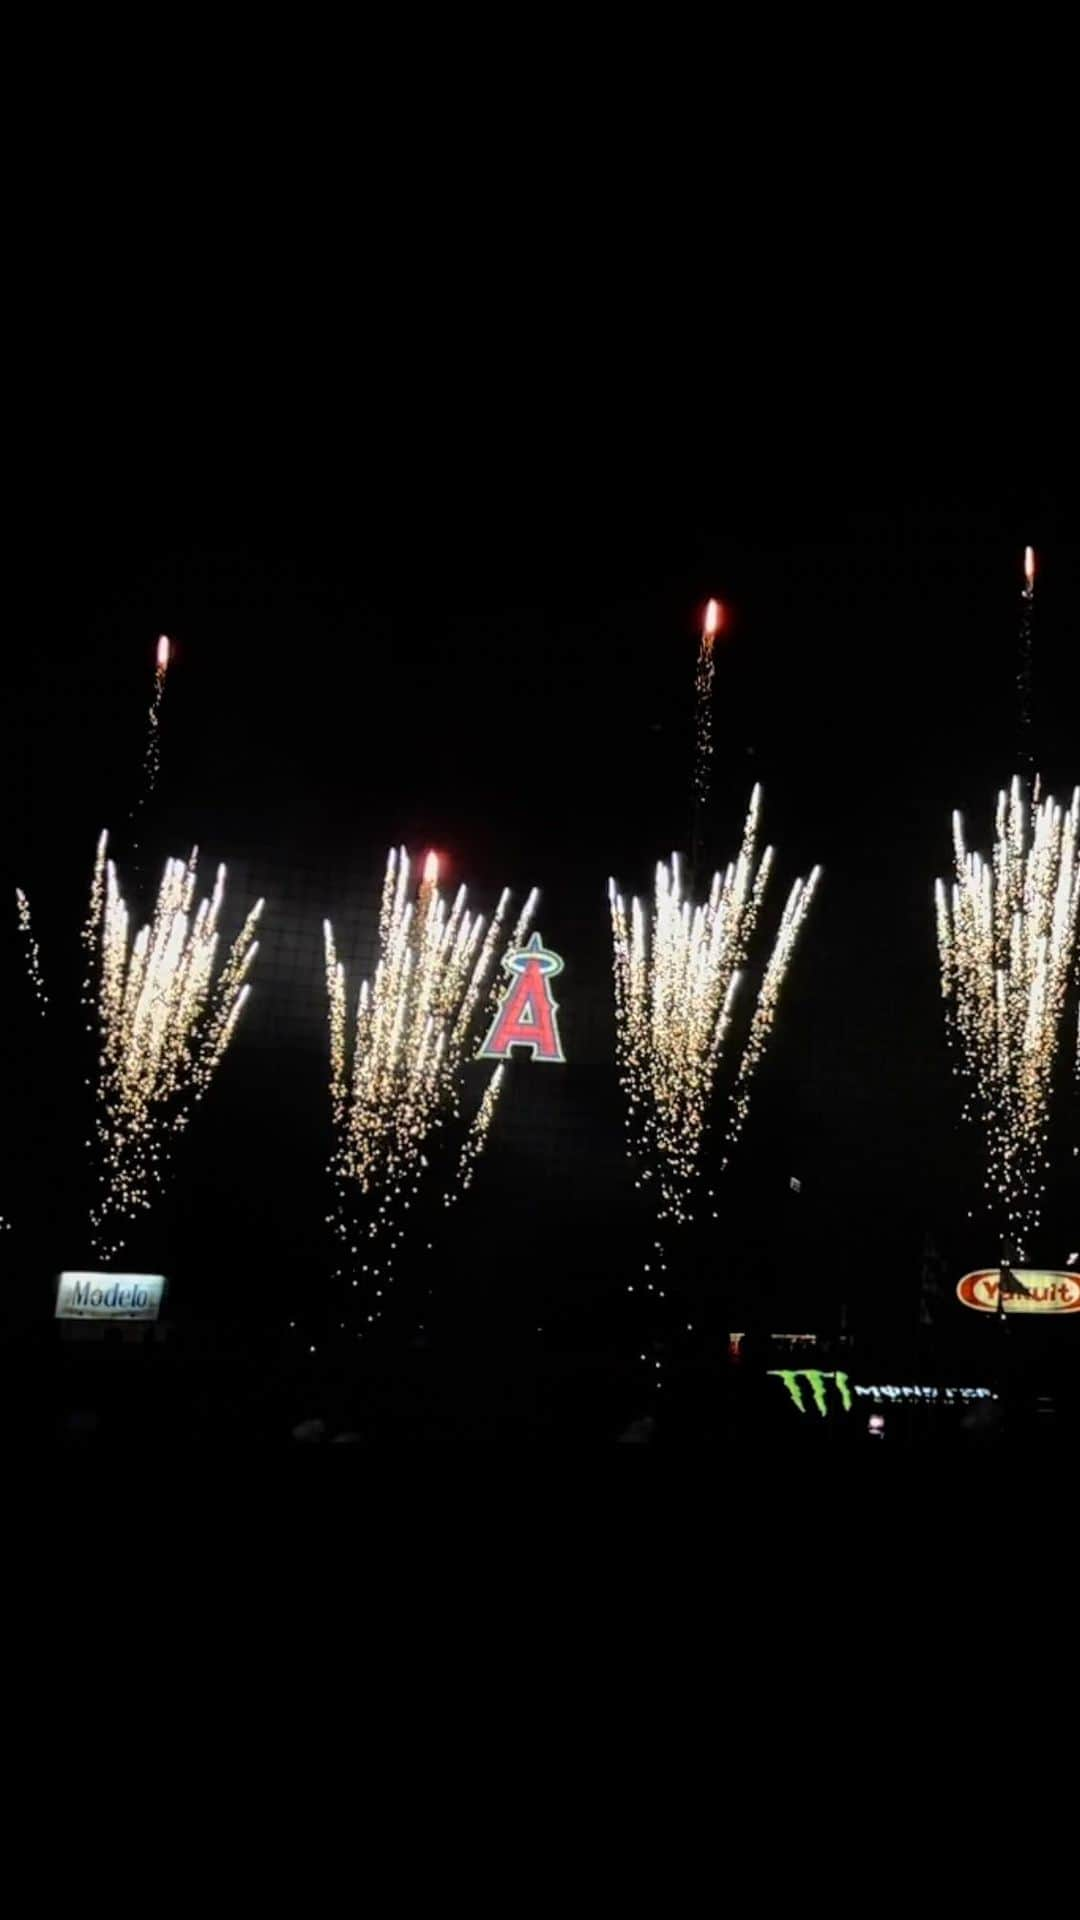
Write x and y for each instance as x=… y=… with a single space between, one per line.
x=503 y=670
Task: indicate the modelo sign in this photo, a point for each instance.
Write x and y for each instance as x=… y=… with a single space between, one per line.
x=109 y=1296
x=1042 y=1292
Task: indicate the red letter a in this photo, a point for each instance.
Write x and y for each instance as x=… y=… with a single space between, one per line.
x=527 y=1016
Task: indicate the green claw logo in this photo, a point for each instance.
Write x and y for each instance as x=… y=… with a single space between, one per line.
x=793 y=1377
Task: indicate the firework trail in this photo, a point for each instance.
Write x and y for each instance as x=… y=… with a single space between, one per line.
x=703 y=737
x=795 y=911
x=476 y=1137
x=400 y=1084
x=33 y=952
x=163 y=1024
x=1024 y=669
x=676 y=975
x=152 y=756
x=1007 y=939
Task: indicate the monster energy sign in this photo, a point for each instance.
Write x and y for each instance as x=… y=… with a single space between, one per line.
x=846 y=1392
x=793 y=1378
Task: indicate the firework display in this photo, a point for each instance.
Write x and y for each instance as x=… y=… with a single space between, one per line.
x=163 y=1023
x=336 y=1157
x=677 y=974
x=1007 y=935
x=31 y=950
x=398 y=1081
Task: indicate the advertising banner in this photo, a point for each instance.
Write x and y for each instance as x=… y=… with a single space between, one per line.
x=109 y=1296
x=1029 y=1291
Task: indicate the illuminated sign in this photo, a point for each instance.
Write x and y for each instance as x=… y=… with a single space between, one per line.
x=109 y=1296
x=1035 y=1292
x=793 y=1377
x=888 y=1395
x=528 y=1015
x=934 y=1396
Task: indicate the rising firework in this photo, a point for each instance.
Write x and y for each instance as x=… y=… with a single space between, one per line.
x=1024 y=669
x=152 y=755
x=163 y=1022
x=1007 y=934
x=676 y=979
x=400 y=1082
x=703 y=741
x=32 y=951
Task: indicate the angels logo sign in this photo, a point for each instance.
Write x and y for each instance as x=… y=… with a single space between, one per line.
x=528 y=1014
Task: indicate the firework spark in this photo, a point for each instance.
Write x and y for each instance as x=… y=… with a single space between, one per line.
x=703 y=695
x=1007 y=937
x=163 y=1023
x=33 y=952
x=152 y=756
x=476 y=1137
x=414 y=1029
x=675 y=985
x=1024 y=668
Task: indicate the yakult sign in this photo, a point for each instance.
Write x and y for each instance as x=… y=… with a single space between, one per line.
x=109 y=1296
x=1030 y=1292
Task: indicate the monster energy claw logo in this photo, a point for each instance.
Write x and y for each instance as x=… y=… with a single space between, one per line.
x=793 y=1377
